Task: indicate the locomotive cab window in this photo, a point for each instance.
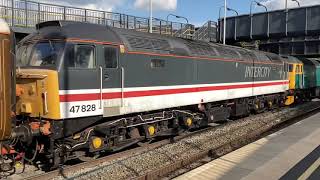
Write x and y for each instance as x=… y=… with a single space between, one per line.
x=290 y=67
x=81 y=56
x=298 y=69
x=111 y=57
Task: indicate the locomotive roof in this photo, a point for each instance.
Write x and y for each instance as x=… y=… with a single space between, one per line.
x=147 y=42
x=310 y=61
x=291 y=59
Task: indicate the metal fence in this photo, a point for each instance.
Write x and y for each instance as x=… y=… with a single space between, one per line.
x=23 y=13
x=208 y=32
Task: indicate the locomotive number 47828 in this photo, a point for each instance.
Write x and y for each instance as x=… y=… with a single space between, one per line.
x=83 y=108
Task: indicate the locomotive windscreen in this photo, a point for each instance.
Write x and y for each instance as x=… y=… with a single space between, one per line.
x=40 y=54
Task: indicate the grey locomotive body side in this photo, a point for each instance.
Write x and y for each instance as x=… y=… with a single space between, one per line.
x=120 y=87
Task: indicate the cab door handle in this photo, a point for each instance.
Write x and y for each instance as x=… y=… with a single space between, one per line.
x=106 y=76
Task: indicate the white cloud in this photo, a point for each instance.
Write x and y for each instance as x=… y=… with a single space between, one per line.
x=110 y=5
x=158 y=5
x=280 y=4
x=106 y=5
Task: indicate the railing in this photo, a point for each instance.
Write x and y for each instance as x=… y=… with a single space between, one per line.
x=207 y=32
x=23 y=13
x=293 y=22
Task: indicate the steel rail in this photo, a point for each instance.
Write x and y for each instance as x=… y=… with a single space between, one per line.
x=64 y=171
x=93 y=163
x=235 y=144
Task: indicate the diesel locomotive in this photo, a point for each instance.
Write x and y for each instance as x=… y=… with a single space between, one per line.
x=80 y=89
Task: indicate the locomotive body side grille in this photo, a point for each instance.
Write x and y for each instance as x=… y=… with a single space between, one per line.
x=148 y=44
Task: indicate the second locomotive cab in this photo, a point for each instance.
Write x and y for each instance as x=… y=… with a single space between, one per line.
x=87 y=88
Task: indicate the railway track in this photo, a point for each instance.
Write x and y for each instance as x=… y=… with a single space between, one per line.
x=250 y=138
x=112 y=157
x=165 y=158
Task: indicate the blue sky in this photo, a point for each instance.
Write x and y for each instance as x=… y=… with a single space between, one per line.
x=197 y=11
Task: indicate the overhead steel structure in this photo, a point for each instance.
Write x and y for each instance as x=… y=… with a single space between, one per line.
x=290 y=32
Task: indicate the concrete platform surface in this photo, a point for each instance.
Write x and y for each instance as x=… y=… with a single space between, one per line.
x=292 y=153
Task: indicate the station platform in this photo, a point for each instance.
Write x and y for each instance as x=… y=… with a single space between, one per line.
x=292 y=153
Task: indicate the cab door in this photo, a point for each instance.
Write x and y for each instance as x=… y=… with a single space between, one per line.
x=299 y=76
x=79 y=82
x=112 y=81
x=292 y=76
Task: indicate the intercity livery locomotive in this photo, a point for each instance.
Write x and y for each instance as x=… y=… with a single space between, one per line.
x=81 y=89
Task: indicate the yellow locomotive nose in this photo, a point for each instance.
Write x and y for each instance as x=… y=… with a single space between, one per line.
x=38 y=93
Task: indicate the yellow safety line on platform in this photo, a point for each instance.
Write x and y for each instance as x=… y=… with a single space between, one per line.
x=310 y=170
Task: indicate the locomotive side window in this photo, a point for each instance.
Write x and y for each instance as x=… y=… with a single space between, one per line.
x=85 y=56
x=157 y=63
x=290 y=67
x=299 y=68
x=111 y=57
x=81 y=56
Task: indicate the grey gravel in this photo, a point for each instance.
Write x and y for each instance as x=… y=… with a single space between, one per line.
x=140 y=164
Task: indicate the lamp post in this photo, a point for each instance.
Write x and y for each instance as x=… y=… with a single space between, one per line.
x=220 y=27
x=251 y=15
x=297 y=2
x=235 y=22
x=286 y=3
x=151 y=14
x=293 y=1
x=229 y=9
x=220 y=24
x=286 y=11
x=225 y=22
x=178 y=17
x=257 y=3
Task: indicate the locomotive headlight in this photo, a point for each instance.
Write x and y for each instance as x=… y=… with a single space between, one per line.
x=97 y=143
x=19 y=90
x=189 y=122
x=122 y=49
x=32 y=90
x=26 y=108
x=151 y=130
